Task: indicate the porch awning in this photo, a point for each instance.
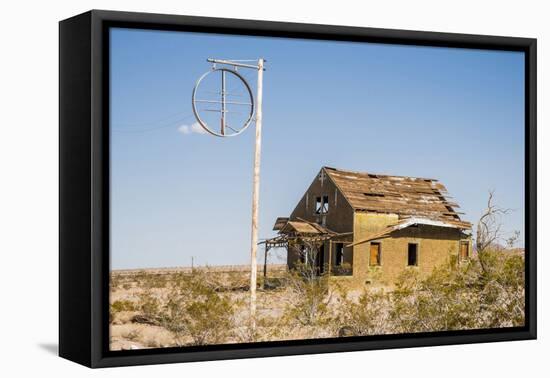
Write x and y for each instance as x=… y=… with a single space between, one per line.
x=300 y=227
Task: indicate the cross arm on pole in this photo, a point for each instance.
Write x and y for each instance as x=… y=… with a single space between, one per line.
x=237 y=64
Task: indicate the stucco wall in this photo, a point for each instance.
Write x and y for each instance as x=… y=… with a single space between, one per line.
x=435 y=246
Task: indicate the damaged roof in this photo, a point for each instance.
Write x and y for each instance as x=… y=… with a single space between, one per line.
x=402 y=195
x=280 y=223
x=303 y=226
x=300 y=227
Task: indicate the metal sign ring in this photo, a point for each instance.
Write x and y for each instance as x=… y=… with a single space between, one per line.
x=196 y=111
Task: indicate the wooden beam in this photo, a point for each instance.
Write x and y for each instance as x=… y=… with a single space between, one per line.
x=329 y=257
x=266 y=249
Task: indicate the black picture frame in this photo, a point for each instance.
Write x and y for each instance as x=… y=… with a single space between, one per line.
x=84 y=187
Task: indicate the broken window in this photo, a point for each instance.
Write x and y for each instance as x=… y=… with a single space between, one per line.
x=321 y=205
x=318 y=205
x=374 y=254
x=464 y=250
x=325 y=205
x=412 y=258
x=339 y=254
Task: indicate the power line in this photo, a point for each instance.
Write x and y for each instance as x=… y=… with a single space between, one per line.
x=159 y=120
x=142 y=130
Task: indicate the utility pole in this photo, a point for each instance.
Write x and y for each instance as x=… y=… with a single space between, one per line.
x=256 y=194
x=224 y=127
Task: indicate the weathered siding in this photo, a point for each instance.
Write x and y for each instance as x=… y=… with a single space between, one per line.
x=339 y=217
x=340 y=214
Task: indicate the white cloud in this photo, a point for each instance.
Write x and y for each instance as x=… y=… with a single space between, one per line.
x=195 y=128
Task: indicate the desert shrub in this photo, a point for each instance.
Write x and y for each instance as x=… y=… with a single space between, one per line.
x=115 y=280
x=150 y=280
x=155 y=281
x=307 y=297
x=235 y=281
x=366 y=315
x=484 y=292
x=438 y=303
x=197 y=311
x=487 y=292
x=208 y=319
x=149 y=307
x=502 y=290
x=122 y=305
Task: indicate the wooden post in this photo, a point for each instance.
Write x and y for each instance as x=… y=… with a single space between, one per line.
x=256 y=196
x=329 y=257
x=265 y=264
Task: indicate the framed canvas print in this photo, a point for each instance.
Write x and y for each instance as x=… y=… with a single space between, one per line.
x=234 y=188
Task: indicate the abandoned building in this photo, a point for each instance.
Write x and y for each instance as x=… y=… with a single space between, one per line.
x=366 y=229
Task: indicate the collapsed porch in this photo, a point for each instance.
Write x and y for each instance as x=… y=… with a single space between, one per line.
x=320 y=249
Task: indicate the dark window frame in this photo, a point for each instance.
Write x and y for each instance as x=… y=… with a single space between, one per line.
x=460 y=244
x=324 y=204
x=415 y=254
x=379 y=262
x=339 y=260
x=321 y=204
x=318 y=204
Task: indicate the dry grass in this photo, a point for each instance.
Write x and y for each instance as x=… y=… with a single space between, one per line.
x=178 y=307
x=139 y=297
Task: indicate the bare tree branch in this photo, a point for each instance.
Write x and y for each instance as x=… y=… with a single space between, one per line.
x=489 y=228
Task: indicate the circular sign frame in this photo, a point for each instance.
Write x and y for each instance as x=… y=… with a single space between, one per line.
x=196 y=111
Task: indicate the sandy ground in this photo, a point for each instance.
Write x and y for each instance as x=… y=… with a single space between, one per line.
x=128 y=285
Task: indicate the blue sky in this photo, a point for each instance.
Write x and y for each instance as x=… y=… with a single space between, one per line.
x=456 y=115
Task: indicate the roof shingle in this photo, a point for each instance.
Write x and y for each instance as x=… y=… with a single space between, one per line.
x=402 y=195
